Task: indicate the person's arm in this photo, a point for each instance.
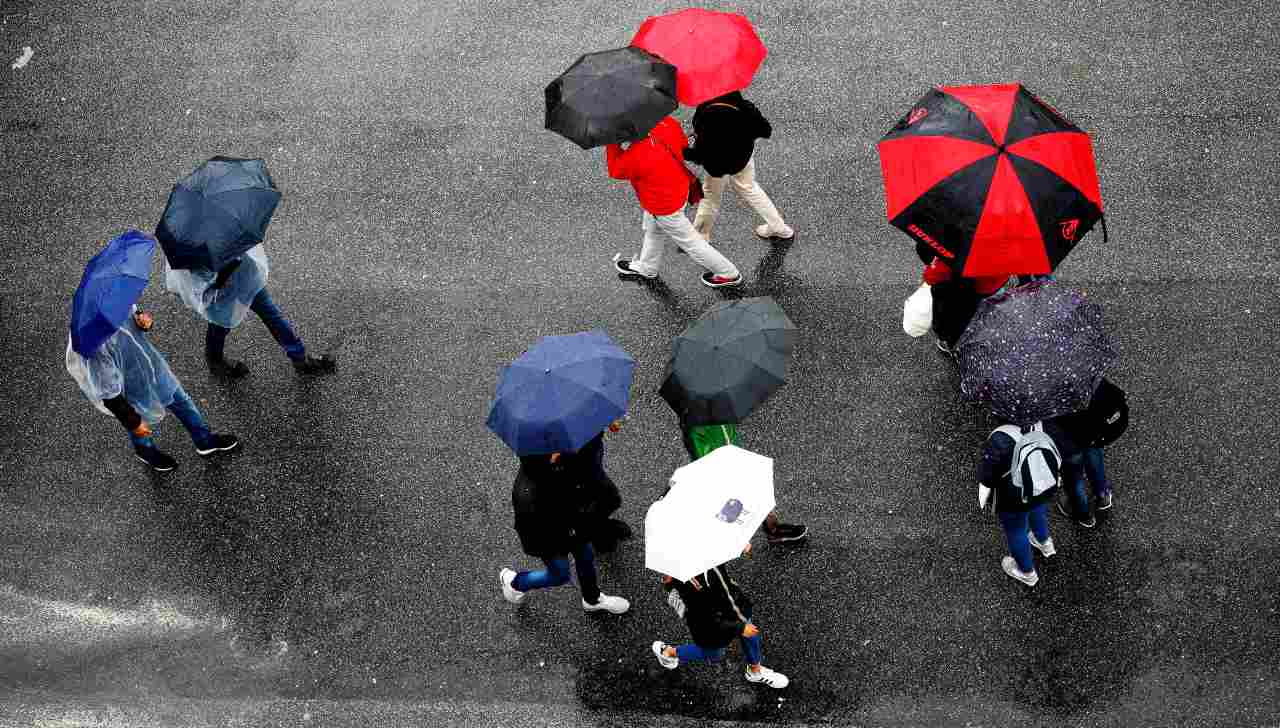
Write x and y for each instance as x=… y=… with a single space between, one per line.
x=119 y=407
x=224 y=275
x=618 y=162
x=763 y=129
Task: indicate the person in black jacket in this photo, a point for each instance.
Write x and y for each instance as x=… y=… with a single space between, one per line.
x=1016 y=508
x=1091 y=429
x=560 y=508
x=717 y=611
x=726 y=129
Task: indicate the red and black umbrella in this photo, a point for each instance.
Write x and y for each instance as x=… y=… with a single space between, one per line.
x=713 y=52
x=991 y=178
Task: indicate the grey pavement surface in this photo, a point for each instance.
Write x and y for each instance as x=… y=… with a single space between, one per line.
x=342 y=569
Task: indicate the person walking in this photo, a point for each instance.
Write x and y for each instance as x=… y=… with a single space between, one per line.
x=130 y=379
x=716 y=611
x=1019 y=471
x=1091 y=430
x=725 y=131
x=702 y=439
x=955 y=297
x=655 y=168
x=559 y=511
x=225 y=298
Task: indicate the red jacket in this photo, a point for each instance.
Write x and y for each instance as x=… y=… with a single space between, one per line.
x=655 y=167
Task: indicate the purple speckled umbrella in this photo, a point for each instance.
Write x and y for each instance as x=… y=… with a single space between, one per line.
x=1034 y=352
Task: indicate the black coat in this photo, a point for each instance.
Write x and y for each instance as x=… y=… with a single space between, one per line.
x=955 y=301
x=997 y=462
x=716 y=608
x=559 y=507
x=725 y=137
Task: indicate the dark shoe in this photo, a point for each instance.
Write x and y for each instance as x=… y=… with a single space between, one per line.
x=315 y=365
x=1104 y=501
x=218 y=443
x=948 y=351
x=623 y=266
x=618 y=529
x=225 y=368
x=715 y=281
x=157 y=460
x=787 y=533
x=1087 y=522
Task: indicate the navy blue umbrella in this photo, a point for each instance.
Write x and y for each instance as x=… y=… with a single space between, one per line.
x=561 y=393
x=217 y=213
x=112 y=282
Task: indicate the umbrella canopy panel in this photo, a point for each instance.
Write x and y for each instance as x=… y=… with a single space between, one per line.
x=991 y=178
x=112 y=282
x=561 y=393
x=728 y=361
x=714 y=507
x=713 y=52
x=1035 y=352
x=611 y=96
x=217 y=212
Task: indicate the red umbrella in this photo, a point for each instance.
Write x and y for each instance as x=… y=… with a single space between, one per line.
x=991 y=178
x=713 y=52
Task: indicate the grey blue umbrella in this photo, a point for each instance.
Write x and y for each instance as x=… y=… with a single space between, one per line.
x=1034 y=352
x=217 y=212
x=611 y=96
x=728 y=361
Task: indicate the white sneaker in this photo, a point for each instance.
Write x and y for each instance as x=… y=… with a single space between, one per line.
x=1046 y=549
x=509 y=592
x=766 y=676
x=613 y=605
x=767 y=233
x=1011 y=568
x=666 y=661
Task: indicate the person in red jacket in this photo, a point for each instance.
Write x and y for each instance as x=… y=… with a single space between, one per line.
x=655 y=167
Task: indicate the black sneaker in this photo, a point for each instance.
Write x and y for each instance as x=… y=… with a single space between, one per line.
x=787 y=533
x=218 y=443
x=315 y=365
x=715 y=281
x=227 y=368
x=946 y=350
x=1104 y=501
x=623 y=266
x=157 y=460
x=1087 y=522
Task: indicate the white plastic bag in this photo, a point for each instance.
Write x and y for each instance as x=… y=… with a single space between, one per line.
x=917 y=312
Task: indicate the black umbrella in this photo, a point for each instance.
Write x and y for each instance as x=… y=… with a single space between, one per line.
x=728 y=361
x=217 y=213
x=611 y=96
x=1034 y=352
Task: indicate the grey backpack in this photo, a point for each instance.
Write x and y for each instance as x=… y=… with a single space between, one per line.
x=1036 y=461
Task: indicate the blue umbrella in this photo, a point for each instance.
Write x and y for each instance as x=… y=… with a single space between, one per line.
x=217 y=213
x=561 y=393
x=112 y=282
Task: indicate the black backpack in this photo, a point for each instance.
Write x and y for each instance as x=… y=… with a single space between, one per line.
x=1109 y=412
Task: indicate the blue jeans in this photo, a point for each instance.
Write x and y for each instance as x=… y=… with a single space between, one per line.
x=557 y=573
x=689 y=652
x=1087 y=465
x=185 y=410
x=215 y=339
x=1015 y=533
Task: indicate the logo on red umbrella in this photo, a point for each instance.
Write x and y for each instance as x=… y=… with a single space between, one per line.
x=1069 y=228
x=917 y=115
x=930 y=241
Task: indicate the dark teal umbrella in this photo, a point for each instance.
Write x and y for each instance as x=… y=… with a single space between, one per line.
x=217 y=212
x=728 y=361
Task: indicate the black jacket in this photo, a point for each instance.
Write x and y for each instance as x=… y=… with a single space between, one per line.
x=559 y=507
x=954 y=303
x=997 y=462
x=726 y=129
x=716 y=608
x=1102 y=422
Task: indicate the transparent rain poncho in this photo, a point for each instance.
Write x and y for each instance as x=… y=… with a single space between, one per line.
x=125 y=364
x=226 y=306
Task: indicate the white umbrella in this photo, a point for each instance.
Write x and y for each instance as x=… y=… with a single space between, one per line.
x=715 y=505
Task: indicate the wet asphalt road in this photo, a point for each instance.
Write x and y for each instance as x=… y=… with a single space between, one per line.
x=342 y=569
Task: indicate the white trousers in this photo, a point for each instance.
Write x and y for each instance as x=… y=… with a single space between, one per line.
x=744 y=181
x=658 y=228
